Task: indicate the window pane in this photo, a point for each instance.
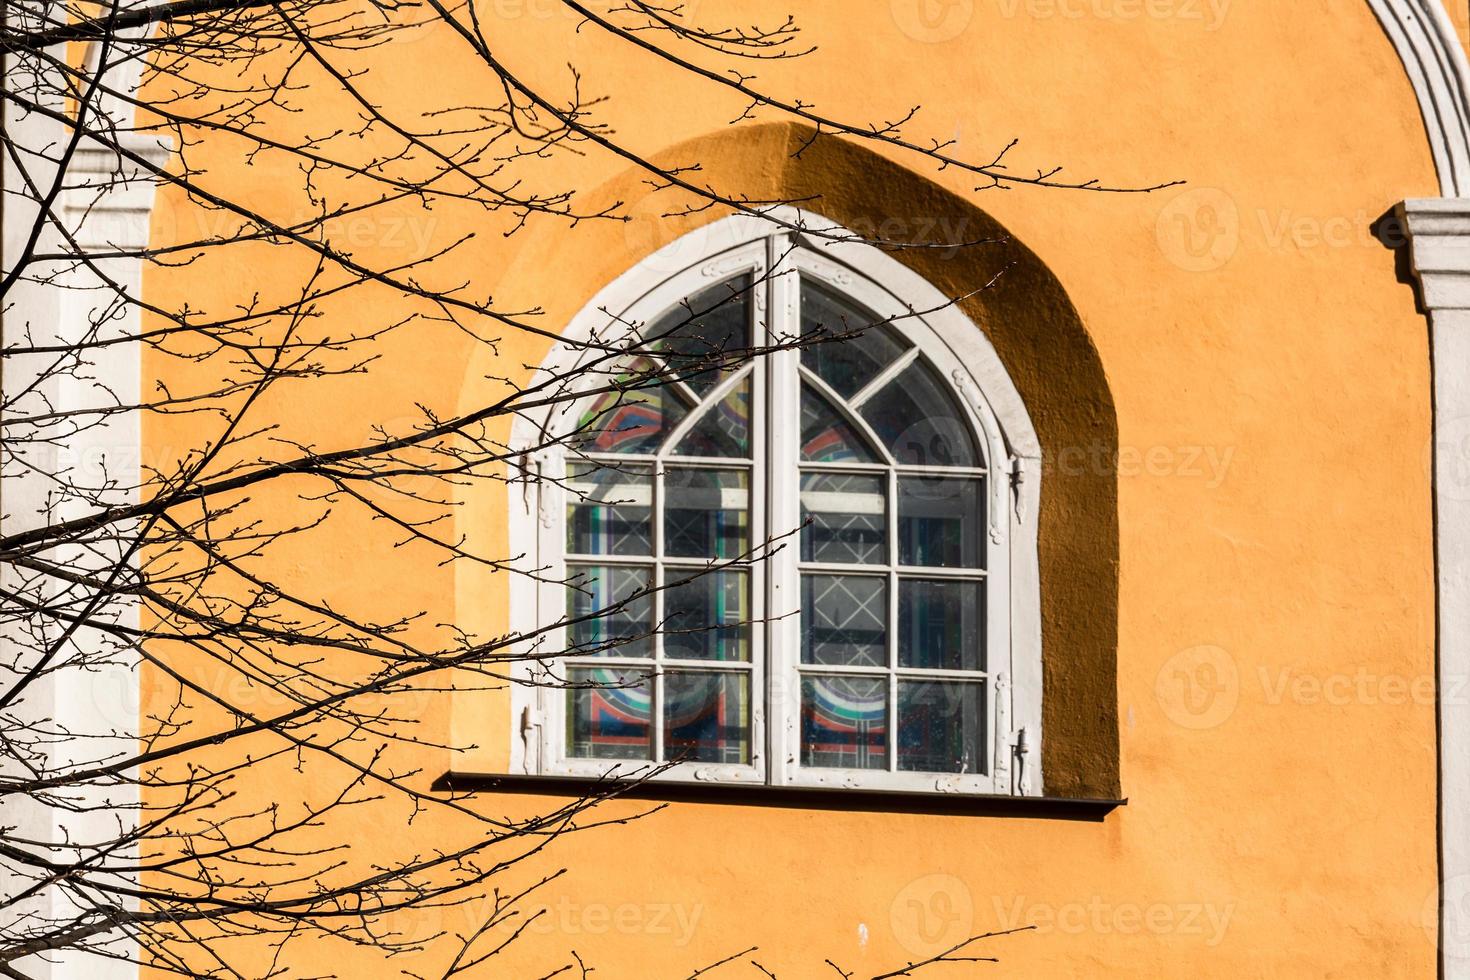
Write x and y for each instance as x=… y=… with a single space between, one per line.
x=707 y=716
x=844 y=722
x=706 y=618
x=847 y=518
x=634 y=420
x=706 y=513
x=611 y=720
x=940 y=624
x=941 y=726
x=723 y=429
x=826 y=437
x=712 y=328
x=941 y=522
x=844 y=620
x=847 y=365
x=602 y=619
x=919 y=421
x=608 y=510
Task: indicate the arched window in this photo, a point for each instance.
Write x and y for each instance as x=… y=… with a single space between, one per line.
x=819 y=543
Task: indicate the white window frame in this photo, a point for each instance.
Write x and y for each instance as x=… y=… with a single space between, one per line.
x=793 y=242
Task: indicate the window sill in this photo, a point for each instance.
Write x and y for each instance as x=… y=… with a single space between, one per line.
x=793 y=797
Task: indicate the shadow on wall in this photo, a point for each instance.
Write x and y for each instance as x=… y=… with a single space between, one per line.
x=1027 y=317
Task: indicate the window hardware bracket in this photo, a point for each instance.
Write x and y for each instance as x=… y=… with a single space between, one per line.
x=1018 y=479
x=530 y=723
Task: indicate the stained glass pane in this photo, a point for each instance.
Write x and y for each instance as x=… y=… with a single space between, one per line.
x=713 y=328
x=847 y=518
x=848 y=364
x=633 y=420
x=844 y=620
x=919 y=421
x=941 y=522
x=707 y=716
x=941 y=726
x=826 y=437
x=705 y=618
x=611 y=718
x=609 y=509
x=844 y=722
x=706 y=512
x=941 y=624
x=723 y=429
x=603 y=617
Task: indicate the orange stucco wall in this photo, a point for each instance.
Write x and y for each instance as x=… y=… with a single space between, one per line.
x=1270 y=377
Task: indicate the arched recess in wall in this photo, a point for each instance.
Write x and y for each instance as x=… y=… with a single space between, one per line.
x=1025 y=314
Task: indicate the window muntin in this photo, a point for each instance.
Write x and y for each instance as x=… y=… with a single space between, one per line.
x=884 y=671
x=660 y=650
x=892 y=666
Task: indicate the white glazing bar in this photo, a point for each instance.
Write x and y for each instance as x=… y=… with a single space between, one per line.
x=783 y=429
x=886 y=375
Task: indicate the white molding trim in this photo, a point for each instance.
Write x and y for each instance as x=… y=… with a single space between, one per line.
x=1438 y=233
x=1428 y=45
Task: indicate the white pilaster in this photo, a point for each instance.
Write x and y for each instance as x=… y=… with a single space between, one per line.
x=1438 y=231
x=104 y=209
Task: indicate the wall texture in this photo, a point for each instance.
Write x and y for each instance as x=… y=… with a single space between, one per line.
x=1268 y=468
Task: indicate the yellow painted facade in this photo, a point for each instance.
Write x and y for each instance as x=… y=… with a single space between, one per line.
x=1273 y=595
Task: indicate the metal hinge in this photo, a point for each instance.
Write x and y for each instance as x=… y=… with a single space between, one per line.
x=1018 y=478
x=1012 y=746
x=530 y=721
x=1022 y=748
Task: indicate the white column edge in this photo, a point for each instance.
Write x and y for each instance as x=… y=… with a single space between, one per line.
x=1438 y=235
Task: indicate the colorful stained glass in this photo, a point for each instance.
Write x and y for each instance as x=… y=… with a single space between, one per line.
x=844 y=722
x=920 y=422
x=826 y=437
x=706 y=512
x=706 y=617
x=941 y=726
x=870 y=693
x=606 y=614
x=847 y=365
x=609 y=509
x=723 y=429
x=609 y=713
x=707 y=716
x=635 y=419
